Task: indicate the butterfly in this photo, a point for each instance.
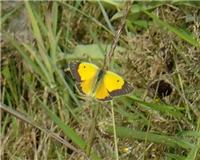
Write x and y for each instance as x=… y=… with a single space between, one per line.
x=98 y=83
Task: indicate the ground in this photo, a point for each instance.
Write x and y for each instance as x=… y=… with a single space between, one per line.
x=158 y=53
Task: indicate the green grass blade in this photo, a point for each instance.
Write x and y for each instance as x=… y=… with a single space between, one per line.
x=5 y=17
x=138 y=8
x=117 y=4
x=106 y=17
x=55 y=17
x=141 y=7
x=64 y=83
x=25 y=118
x=174 y=157
x=29 y=61
x=24 y=55
x=40 y=63
x=163 y=108
x=93 y=51
x=193 y=154
x=35 y=27
x=69 y=132
x=13 y=85
x=190 y=133
x=87 y=16
x=123 y=132
x=185 y=35
x=38 y=35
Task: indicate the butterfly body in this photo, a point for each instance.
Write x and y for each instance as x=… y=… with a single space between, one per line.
x=98 y=83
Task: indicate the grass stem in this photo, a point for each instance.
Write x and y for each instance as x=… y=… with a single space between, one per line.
x=114 y=132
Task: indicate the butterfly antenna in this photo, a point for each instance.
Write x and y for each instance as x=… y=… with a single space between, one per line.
x=110 y=54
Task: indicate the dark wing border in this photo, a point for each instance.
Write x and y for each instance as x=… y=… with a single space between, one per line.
x=73 y=66
x=105 y=99
x=126 y=88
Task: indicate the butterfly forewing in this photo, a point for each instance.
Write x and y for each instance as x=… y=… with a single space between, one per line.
x=116 y=85
x=85 y=75
x=83 y=71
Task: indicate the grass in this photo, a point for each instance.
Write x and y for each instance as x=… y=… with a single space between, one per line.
x=44 y=117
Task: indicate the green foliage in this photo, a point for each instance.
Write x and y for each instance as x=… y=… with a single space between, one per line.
x=36 y=81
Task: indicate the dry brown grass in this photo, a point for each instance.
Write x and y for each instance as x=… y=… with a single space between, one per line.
x=151 y=54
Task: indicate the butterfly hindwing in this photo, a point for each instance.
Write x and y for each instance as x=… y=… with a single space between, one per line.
x=86 y=87
x=116 y=85
x=102 y=93
x=112 y=85
x=85 y=75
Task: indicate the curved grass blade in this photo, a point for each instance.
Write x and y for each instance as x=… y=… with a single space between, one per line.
x=183 y=34
x=163 y=108
x=68 y=131
x=26 y=119
x=123 y=132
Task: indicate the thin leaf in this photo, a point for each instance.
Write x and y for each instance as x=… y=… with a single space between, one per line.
x=123 y=132
x=106 y=17
x=163 y=108
x=185 y=35
x=38 y=36
x=69 y=132
x=7 y=15
x=92 y=51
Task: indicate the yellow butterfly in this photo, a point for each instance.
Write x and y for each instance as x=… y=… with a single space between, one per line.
x=98 y=83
